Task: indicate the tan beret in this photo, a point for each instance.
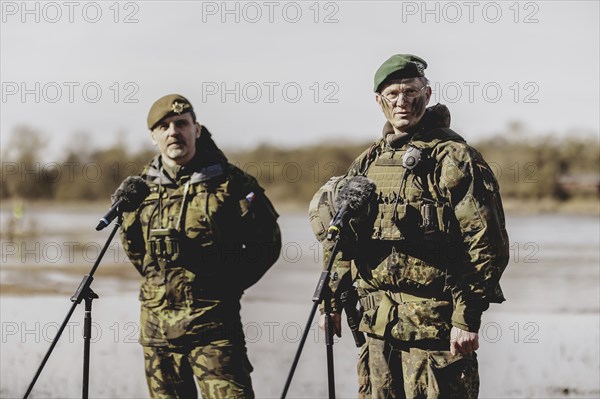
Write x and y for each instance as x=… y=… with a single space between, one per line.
x=169 y=105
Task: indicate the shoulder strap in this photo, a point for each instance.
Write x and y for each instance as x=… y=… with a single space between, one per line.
x=370 y=155
x=433 y=137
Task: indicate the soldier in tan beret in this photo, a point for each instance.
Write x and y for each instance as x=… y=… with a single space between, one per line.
x=206 y=232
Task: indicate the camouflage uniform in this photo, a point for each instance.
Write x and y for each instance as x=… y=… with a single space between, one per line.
x=204 y=234
x=417 y=281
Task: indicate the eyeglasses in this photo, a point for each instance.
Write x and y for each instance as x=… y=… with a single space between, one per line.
x=408 y=93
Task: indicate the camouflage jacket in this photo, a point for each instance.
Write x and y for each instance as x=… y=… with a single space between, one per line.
x=204 y=234
x=423 y=276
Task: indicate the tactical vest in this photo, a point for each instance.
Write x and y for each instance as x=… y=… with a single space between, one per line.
x=409 y=206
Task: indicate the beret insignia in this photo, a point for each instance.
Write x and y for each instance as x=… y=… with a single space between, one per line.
x=179 y=107
x=420 y=68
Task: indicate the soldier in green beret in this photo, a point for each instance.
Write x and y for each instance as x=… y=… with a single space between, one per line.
x=429 y=260
x=204 y=234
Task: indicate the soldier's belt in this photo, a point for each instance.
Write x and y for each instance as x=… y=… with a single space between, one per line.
x=373 y=299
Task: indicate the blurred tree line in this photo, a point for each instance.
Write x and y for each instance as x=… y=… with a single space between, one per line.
x=83 y=174
x=527 y=166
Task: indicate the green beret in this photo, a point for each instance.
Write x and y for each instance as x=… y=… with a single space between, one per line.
x=169 y=105
x=399 y=66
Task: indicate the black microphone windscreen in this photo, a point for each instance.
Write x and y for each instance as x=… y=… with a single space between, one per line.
x=132 y=191
x=355 y=193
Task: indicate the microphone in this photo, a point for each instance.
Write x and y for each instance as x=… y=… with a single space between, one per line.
x=128 y=197
x=353 y=196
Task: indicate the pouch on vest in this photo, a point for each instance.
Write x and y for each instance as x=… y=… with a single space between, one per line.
x=399 y=199
x=378 y=320
x=164 y=245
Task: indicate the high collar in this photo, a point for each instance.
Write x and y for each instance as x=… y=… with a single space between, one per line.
x=437 y=116
x=207 y=154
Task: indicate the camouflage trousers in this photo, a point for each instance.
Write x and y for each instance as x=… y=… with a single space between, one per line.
x=221 y=368
x=392 y=370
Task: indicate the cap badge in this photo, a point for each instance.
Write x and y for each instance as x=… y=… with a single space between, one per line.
x=420 y=68
x=178 y=107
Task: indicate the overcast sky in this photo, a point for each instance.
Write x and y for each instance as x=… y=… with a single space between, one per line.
x=292 y=73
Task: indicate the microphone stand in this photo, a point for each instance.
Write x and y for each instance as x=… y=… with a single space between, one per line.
x=322 y=293
x=83 y=293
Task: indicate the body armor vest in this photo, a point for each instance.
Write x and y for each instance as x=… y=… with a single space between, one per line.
x=399 y=196
x=409 y=206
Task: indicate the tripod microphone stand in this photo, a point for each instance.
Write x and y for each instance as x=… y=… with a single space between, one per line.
x=83 y=293
x=322 y=292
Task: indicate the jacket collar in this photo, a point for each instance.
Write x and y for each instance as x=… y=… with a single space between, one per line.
x=437 y=116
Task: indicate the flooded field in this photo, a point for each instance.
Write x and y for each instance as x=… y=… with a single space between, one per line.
x=542 y=342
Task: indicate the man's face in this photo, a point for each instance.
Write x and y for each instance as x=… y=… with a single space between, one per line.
x=404 y=111
x=176 y=137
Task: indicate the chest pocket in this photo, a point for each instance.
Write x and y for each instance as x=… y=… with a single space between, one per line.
x=209 y=211
x=148 y=211
x=200 y=213
x=161 y=210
